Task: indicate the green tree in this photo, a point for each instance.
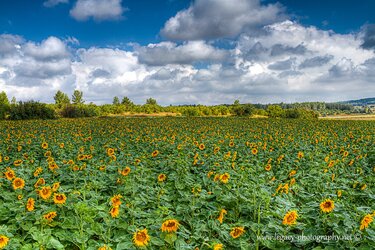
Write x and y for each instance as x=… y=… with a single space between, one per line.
x=61 y=98
x=151 y=101
x=116 y=101
x=275 y=111
x=126 y=101
x=77 y=97
x=13 y=101
x=4 y=105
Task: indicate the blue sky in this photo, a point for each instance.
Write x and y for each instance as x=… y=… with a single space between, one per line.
x=183 y=52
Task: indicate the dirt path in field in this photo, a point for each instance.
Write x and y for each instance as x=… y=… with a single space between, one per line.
x=350 y=117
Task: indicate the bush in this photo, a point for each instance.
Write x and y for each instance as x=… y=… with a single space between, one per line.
x=76 y=111
x=30 y=110
x=4 y=109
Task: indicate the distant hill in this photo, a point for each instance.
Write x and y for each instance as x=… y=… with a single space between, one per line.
x=361 y=102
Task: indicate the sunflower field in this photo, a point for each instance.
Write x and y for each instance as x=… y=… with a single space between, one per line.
x=187 y=183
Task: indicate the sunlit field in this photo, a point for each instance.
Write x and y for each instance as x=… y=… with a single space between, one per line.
x=187 y=183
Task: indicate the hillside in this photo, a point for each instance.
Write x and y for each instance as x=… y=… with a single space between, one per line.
x=361 y=102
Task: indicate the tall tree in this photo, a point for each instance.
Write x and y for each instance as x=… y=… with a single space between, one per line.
x=126 y=101
x=116 y=101
x=61 y=98
x=4 y=98
x=4 y=105
x=77 y=97
x=151 y=101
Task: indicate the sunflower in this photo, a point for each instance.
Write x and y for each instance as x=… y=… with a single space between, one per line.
x=170 y=226
x=39 y=182
x=3 y=241
x=45 y=192
x=9 y=174
x=105 y=247
x=327 y=206
x=115 y=211
x=116 y=200
x=155 y=153
x=268 y=167
x=254 y=151
x=44 y=145
x=339 y=193
x=290 y=218
x=202 y=146
x=218 y=246
x=221 y=215
x=300 y=155
x=62 y=145
x=49 y=216
x=55 y=186
x=110 y=151
x=224 y=178
x=141 y=238
x=59 y=198
x=18 y=183
x=17 y=163
x=364 y=186
x=38 y=171
x=346 y=153
x=30 y=204
x=366 y=221
x=125 y=171
x=237 y=232
x=162 y=177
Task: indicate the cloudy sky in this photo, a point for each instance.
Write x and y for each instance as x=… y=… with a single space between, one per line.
x=188 y=52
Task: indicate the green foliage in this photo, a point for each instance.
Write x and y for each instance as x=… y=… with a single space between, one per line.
x=30 y=110
x=61 y=99
x=75 y=111
x=274 y=111
x=4 y=105
x=116 y=101
x=151 y=101
x=297 y=151
x=77 y=97
x=126 y=101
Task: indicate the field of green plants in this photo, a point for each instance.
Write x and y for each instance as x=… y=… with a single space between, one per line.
x=187 y=183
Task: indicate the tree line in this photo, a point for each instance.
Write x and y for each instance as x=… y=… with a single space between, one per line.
x=75 y=107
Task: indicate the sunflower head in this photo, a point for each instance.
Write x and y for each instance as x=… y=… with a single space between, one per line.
x=224 y=178
x=115 y=211
x=3 y=241
x=202 y=146
x=290 y=218
x=30 y=204
x=366 y=221
x=221 y=215
x=162 y=177
x=170 y=226
x=59 y=198
x=9 y=174
x=327 y=205
x=18 y=183
x=116 y=200
x=155 y=153
x=237 y=232
x=44 y=145
x=104 y=247
x=218 y=246
x=268 y=167
x=45 y=192
x=141 y=238
x=125 y=171
x=49 y=216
